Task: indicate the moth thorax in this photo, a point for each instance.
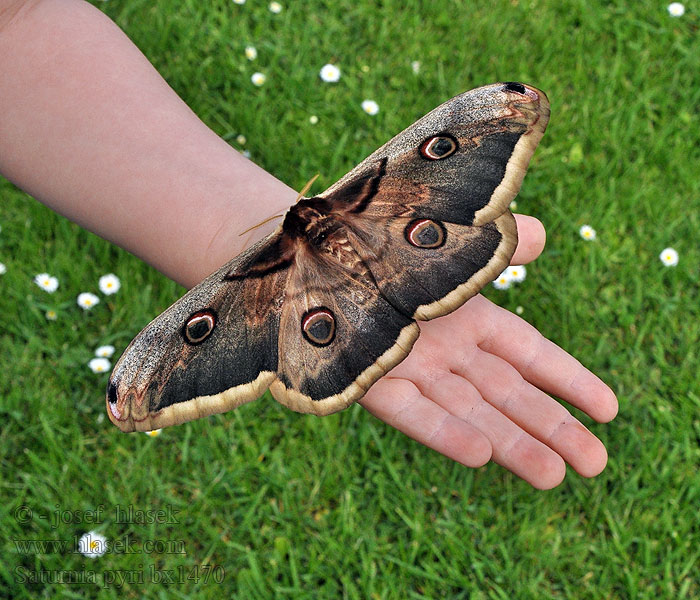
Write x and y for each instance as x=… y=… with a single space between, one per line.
x=319 y=229
x=339 y=247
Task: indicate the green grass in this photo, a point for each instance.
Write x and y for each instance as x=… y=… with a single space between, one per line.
x=292 y=506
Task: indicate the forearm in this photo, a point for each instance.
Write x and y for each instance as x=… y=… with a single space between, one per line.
x=88 y=127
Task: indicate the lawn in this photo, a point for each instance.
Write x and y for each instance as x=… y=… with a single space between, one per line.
x=262 y=502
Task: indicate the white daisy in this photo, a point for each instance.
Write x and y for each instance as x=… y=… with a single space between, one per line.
x=105 y=351
x=519 y=310
x=51 y=314
x=513 y=205
x=676 y=9
x=239 y=1
x=109 y=284
x=3 y=269
x=517 y=273
x=415 y=66
x=258 y=78
x=503 y=281
x=241 y=139
x=46 y=282
x=251 y=53
x=313 y=119
x=370 y=107
x=587 y=233
x=669 y=257
x=92 y=544
x=86 y=300
x=275 y=7
x=329 y=73
x=99 y=365
x=153 y=433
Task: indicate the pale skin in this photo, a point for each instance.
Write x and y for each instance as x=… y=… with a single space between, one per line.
x=88 y=127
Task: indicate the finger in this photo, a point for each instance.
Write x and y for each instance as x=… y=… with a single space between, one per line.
x=513 y=448
x=543 y=363
x=400 y=404
x=531 y=240
x=535 y=412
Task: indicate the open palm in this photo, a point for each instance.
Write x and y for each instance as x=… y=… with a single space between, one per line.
x=475 y=387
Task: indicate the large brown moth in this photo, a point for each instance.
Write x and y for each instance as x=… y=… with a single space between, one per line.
x=325 y=305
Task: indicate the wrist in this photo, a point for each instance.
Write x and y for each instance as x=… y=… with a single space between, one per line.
x=247 y=197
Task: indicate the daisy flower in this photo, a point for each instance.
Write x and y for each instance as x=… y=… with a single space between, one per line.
x=109 y=284
x=241 y=140
x=258 y=78
x=503 y=281
x=251 y=53
x=153 y=433
x=415 y=66
x=329 y=73
x=239 y=1
x=676 y=9
x=519 y=310
x=105 y=351
x=3 y=269
x=92 y=544
x=46 y=282
x=370 y=107
x=99 y=365
x=513 y=205
x=86 y=300
x=51 y=314
x=275 y=8
x=313 y=119
x=517 y=273
x=587 y=233
x=669 y=257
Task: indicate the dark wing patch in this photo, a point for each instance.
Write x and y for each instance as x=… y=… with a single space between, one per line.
x=369 y=338
x=497 y=129
x=425 y=282
x=163 y=378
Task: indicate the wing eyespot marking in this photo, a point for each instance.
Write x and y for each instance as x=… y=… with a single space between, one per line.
x=425 y=233
x=198 y=326
x=438 y=147
x=318 y=326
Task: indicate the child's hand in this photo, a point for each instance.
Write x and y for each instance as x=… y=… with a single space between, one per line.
x=475 y=387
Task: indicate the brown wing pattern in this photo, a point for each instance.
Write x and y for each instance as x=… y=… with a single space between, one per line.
x=428 y=282
x=369 y=335
x=163 y=378
x=323 y=307
x=497 y=129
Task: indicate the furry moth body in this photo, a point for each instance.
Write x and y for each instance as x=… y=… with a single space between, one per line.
x=325 y=305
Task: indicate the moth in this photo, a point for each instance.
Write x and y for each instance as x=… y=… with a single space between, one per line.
x=326 y=304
